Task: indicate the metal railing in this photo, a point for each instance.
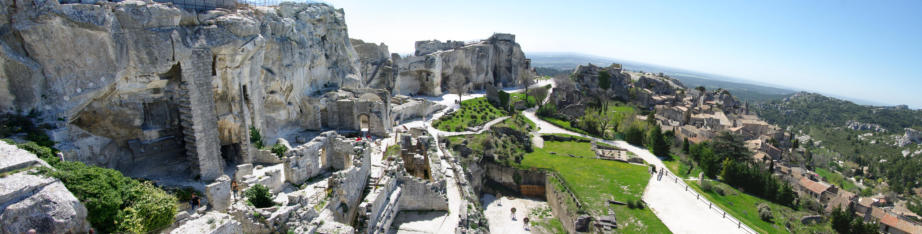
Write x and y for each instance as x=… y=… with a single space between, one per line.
x=711 y=206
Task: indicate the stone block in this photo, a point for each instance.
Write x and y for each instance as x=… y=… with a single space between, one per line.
x=243 y=170
x=219 y=193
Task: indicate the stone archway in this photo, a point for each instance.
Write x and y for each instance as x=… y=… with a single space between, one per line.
x=364 y=123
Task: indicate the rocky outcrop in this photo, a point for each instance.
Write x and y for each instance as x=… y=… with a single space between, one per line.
x=454 y=66
x=154 y=90
x=36 y=202
x=909 y=137
x=859 y=126
x=589 y=78
x=376 y=64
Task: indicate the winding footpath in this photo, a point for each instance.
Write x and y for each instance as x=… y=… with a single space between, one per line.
x=682 y=209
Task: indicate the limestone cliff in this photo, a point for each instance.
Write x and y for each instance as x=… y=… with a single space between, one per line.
x=439 y=67
x=149 y=88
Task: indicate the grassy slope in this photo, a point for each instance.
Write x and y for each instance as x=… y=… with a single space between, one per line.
x=473 y=112
x=837 y=179
x=597 y=181
x=745 y=208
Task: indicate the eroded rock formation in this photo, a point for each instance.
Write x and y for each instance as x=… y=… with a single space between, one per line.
x=443 y=67
x=155 y=90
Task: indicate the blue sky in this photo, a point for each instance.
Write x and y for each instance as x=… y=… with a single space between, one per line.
x=869 y=50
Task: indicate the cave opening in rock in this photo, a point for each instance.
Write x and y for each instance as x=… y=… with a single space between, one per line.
x=232 y=154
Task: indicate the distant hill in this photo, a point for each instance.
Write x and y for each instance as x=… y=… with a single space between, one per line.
x=551 y=63
x=810 y=109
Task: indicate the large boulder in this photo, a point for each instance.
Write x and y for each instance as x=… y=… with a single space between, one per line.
x=36 y=202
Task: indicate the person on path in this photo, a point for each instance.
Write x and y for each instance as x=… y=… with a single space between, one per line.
x=499 y=200
x=234 y=189
x=513 y=213
x=194 y=202
x=525 y=221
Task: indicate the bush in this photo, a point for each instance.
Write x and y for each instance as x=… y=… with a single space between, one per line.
x=765 y=212
x=115 y=202
x=259 y=196
x=256 y=138
x=156 y=206
x=279 y=150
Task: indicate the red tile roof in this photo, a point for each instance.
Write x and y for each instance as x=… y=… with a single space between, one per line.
x=816 y=187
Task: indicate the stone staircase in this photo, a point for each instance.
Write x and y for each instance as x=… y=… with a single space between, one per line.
x=186 y=121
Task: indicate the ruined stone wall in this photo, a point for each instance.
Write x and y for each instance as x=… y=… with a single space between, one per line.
x=421 y=194
x=380 y=206
x=348 y=185
x=563 y=205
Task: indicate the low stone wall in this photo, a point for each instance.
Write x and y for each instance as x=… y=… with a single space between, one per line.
x=563 y=203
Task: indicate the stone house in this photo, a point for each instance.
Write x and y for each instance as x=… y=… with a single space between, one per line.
x=892 y=223
x=822 y=191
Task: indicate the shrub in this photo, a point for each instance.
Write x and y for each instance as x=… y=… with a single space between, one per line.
x=256 y=138
x=102 y=191
x=765 y=212
x=156 y=206
x=259 y=196
x=115 y=202
x=279 y=150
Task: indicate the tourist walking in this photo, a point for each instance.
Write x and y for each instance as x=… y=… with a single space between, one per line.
x=234 y=189
x=513 y=213
x=525 y=221
x=194 y=202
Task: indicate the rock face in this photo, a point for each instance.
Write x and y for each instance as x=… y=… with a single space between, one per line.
x=33 y=201
x=153 y=90
x=439 y=67
x=859 y=126
x=376 y=64
x=588 y=77
x=911 y=136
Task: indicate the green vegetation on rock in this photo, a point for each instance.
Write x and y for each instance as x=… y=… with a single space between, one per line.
x=473 y=112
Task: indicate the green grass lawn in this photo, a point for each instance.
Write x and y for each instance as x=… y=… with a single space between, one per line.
x=563 y=124
x=518 y=122
x=473 y=112
x=516 y=97
x=745 y=208
x=596 y=181
x=837 y=179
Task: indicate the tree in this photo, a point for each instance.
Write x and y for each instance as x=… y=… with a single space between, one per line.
x=685 y=145
x=845 y=221
x=728 y=145
x=604 y=80
x=634 y=135
x=659 y=144
x=503 y=100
